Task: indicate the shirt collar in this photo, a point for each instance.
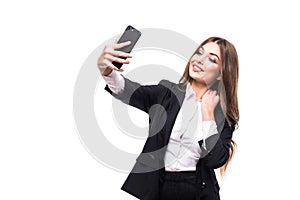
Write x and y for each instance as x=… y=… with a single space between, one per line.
x=190 y=93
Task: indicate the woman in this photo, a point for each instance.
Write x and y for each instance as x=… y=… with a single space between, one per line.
x=199 y=115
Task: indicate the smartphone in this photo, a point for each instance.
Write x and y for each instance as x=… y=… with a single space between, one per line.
x=130 y=34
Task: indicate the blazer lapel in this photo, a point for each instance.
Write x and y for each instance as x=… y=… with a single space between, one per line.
x=178 y=92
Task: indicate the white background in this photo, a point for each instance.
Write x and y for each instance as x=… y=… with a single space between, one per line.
x=43 y=45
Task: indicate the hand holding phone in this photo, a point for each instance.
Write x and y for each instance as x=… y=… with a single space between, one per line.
x=130 y=34
x=114 y=56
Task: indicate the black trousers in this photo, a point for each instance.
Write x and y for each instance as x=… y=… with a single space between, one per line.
x=178 y=185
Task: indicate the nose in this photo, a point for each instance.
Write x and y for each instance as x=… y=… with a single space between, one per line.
x=201 y=59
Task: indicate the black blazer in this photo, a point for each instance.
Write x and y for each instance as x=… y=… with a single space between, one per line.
x=143 y=181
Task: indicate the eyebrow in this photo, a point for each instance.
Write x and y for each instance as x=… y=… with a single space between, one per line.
x=211 y=53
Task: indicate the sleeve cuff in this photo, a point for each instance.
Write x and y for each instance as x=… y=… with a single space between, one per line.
x=209 y=128
x=115 y=82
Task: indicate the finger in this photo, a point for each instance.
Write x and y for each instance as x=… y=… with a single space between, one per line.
x=121 y=45
x=112 y=66
x=212 y=92
x=118 y=53
x=102 y=65
x=117 y=69
x=116 y=59
x=206 y=93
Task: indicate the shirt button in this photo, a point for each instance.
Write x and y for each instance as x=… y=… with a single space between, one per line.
x=203 y=185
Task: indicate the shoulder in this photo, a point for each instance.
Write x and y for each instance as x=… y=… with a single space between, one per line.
x=171 y=85
x=166 y=83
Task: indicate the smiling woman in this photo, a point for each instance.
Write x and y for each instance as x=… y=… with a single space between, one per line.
x=218 y=60
x=202 y=113
x=205 y=65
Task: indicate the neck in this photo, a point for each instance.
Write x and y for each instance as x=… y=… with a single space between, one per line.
x=199 y=89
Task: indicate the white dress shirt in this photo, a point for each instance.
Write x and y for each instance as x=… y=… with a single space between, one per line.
x=183 y=150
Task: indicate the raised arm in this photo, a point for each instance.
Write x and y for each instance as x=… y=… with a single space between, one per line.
x=215 y=148
x=129 y=92
x=140 y=96
x=215 y=145
x=110 y=55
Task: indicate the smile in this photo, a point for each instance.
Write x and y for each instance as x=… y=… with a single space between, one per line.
x=197 y=68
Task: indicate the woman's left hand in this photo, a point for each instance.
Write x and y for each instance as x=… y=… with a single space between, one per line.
x=209 y=102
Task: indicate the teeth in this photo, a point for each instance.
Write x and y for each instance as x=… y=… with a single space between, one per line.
x=198 y=67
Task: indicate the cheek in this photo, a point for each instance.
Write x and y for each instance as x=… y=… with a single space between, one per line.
x=211 y=76
x=191 y=72
x=192 y=58
x=190 y=66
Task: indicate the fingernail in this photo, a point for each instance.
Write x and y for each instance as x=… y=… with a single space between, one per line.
x=128 y=42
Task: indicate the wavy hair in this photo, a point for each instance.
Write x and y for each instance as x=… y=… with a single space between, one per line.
x=229 y=78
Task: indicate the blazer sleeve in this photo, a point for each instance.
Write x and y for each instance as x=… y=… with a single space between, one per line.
x=217 y=148
x=140 y=96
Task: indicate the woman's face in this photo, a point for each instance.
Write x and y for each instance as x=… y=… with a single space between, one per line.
x=205 y=64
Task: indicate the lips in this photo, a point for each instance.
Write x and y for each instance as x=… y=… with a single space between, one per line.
x=197 y=68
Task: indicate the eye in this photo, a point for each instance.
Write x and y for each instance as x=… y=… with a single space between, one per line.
x=212 y=60
x=199 y=52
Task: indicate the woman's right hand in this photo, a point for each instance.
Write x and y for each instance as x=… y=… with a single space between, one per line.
x=109 y=55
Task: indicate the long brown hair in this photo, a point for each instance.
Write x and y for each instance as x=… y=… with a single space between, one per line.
x=229 y=78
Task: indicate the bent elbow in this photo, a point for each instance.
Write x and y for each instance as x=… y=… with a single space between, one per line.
x=216 y=161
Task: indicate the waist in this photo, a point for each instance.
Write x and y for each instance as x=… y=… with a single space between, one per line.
x=179 y=175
